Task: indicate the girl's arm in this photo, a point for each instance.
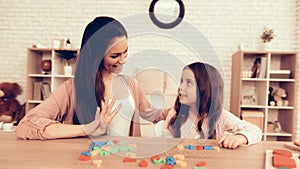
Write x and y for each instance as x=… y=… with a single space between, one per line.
x=244 y=132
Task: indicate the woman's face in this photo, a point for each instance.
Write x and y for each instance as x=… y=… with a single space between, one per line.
x=115 y=55
x=187 y=91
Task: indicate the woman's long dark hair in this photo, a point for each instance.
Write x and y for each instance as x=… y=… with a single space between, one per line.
x=210 y=87
x=88 y=82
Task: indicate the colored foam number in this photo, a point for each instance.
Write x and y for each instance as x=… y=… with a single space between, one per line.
x=115 y=141
x=100 y=143
x=124 y=148
x=208 y=147
x=95 y=152
x=181 y=163
x=216 y=148
x=170 y=160
x=85 y=153
x=97 y=163
x=155 y=157
x=114 y=150
x=190 y=147
x=199 y=168
x=84 y=158
x=282 y=152
x=179 y=156
x=297 y=143
x=167 y=166
x=129 y=160
x=199 y=147
x=159 y=161
x=110 y=143
x=283 y=161
x=201 y=164
x=143 y=163
x=130 y=154
x=121 y=143
x=180 y=147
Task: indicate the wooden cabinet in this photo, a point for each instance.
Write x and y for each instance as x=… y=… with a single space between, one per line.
x=41 y=83
x=250 y=94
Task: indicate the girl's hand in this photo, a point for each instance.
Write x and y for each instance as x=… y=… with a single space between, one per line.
x=232 y=141
x=98 y=126
x=171 y=113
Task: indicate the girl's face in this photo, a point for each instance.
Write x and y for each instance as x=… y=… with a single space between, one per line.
x=115 y=55
x=187 y=91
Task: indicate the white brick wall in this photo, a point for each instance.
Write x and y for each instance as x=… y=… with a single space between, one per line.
x=225 y=24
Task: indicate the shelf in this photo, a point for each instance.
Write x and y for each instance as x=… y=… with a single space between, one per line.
x=40 y=85
x=63 y=76
x=282 y=80
x=281 y=107
x=282 y=133
x=253 y=106
x=35 y=101
x=255 y=79
x=39 y=75
x=275 y=69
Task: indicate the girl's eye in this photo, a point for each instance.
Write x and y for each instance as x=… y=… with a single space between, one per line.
x=190 y=82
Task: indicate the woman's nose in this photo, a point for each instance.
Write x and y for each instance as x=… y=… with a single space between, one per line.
x=122 y=59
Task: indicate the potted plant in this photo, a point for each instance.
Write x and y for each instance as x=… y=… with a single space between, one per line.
x=68 y=55
x=267 y=36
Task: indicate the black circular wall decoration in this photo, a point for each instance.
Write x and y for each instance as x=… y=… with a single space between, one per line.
x=162 y=24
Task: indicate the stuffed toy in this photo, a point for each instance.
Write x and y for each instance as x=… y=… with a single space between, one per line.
x=280 y=96
x=271 y=101
x=9 y=105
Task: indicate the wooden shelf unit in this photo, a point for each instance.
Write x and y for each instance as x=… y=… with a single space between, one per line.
x=35 y=74
x=241 y=86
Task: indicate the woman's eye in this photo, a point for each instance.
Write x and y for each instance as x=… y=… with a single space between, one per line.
x=114 y=56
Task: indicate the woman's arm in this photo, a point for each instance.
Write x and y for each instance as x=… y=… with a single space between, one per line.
x=55 y=109
x=144 y=107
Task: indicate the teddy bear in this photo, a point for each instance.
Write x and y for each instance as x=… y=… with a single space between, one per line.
x=280 y=96
x=9 y=105
x=271 y=101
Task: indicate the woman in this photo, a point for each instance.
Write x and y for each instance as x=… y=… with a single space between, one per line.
x=198 y=110
x=85 y=105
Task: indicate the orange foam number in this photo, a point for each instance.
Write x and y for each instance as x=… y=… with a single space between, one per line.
x=297 y=143
x=84 y=158
x=128 y=160
x=283 y=161
x=201 y=164
x=143 y=163
x=282 y=152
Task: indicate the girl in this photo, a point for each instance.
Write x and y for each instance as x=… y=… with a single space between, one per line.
x=80 y=106
x=198 y=110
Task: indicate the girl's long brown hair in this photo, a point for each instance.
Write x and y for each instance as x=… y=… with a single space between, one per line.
x=88 y=82
x=210 y=87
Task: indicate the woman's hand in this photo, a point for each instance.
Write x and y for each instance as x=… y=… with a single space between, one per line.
x=232 y=141
x=102 y=119
x=171 y=113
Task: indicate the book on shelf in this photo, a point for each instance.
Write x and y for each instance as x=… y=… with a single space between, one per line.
x=262 y=67
x=46 y=91
x=37 y=87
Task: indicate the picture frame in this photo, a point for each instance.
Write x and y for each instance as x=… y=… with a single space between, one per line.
x=249 y=99
x=46 y=91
